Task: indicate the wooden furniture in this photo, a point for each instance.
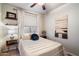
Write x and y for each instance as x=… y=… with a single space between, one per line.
x=43 y=34
x=10 y=43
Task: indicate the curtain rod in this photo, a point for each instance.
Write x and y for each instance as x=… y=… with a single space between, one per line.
x=30 y=13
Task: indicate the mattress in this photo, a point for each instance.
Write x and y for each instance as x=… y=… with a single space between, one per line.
x=39 y=47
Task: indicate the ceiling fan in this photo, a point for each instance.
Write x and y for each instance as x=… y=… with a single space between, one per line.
x=42 y=4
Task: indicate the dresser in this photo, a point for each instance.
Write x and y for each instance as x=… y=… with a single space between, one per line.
x=10 y=43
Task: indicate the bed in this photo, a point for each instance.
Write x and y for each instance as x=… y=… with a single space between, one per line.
x=41 y=47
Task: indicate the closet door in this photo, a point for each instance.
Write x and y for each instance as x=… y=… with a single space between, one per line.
x=30 y=23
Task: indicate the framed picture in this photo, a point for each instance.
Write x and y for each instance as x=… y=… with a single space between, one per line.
x=10 y=15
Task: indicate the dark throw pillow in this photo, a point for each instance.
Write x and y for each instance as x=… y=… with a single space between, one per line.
x=34 y=37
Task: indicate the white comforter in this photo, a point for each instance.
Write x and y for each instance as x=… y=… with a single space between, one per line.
x=29 y=47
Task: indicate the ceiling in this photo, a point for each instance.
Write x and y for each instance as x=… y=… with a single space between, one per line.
x=38 y=8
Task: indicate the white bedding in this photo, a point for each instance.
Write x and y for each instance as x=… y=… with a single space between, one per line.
x=39 y=47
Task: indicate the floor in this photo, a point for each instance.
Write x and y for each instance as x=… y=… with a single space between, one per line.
x=13 y=52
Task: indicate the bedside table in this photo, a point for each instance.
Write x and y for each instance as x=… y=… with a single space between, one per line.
x=44 y=37
x=10 y=43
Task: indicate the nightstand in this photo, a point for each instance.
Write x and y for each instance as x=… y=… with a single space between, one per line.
x=44 y=37
x=10 y=43
x=43 y=34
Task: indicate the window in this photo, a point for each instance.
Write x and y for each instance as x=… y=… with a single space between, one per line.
x=30 y=23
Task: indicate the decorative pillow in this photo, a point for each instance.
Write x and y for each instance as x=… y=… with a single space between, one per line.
x=34 y=37
x=15 y=36
x=26 y=36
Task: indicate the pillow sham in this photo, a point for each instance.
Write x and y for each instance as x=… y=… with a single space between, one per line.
x=26 y=36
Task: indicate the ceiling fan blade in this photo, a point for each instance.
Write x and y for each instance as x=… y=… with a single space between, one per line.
x=33 y=5
x=43 y=6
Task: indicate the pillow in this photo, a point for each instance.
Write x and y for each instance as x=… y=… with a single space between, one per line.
x=34 y=37
x=15 y=36
x=26 y=36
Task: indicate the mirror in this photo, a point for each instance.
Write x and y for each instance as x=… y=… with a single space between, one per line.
x=61 y=28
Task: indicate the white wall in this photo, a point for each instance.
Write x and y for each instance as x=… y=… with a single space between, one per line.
x=0 y=12
x=8 y=8
x=40 y=21
x=72 y=10
x=2 y=28
x=0 y=21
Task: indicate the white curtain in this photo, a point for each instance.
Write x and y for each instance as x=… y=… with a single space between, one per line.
x=27 y=22
x=30 y=19
x=30 y=23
